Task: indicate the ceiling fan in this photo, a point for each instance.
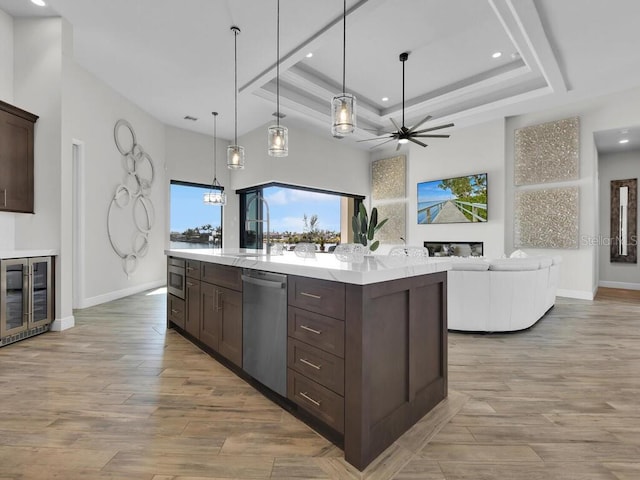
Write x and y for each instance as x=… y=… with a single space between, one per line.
x=404 y=134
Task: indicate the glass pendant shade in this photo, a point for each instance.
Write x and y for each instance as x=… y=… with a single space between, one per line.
x=235 y=157
x=278 y=137
x=215 y=197
x=343 y=114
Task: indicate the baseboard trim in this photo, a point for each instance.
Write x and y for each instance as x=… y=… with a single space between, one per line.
x=60 y=324
x=579 y=294
x=108 y=297
x=622 y=285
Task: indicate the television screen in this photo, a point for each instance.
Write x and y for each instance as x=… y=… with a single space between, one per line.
x=453 y=200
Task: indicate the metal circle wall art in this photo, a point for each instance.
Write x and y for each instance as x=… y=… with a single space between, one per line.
x=131 y=199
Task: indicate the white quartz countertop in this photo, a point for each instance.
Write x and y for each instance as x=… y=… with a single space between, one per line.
x=325 y=266
x=6 y=254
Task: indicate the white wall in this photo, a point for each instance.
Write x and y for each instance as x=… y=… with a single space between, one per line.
x=615 y=166
x=313 y=161
x=190 y=159
x=94 y=108
x=7 y=223
x=579 y=269
x=477 y=149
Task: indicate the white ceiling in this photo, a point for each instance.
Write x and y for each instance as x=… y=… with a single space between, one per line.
x=176 y=58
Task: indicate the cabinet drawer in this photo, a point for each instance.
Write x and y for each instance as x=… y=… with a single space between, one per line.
x=316 y=399
x=317 y=330
x=319 y=366
x=193 y=269
x=223 y=275
x=320 y=296
x=176 y=310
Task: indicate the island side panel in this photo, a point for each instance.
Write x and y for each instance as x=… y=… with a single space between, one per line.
x=395 y=360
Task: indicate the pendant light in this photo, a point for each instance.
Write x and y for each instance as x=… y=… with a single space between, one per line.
x=216 y=195
x=343 y=105
x=235 y=153
x=277 y=135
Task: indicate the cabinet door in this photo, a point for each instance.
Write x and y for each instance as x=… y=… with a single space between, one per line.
x=41 y=304
x=16 y=163
x=192 y=320
x=14 y=296
x=211 y=307
x=231 y=325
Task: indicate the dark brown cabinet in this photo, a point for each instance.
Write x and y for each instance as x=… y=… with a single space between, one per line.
x=16 y=159
x=221 y=312
x=193 y=298
x=315 y=356
x=176 y=310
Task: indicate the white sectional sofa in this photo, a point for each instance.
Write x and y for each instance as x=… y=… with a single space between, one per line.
x=501 y=295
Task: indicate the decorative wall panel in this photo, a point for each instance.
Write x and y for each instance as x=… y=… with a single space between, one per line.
x=624 y=221
x=388 y=178
x=547 y=218
x=548 y=152
x=388 y=195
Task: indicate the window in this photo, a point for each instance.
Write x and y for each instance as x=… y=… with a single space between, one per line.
x=296 y=214
x=192 y=224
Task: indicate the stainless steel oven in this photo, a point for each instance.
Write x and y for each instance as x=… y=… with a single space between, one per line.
x=176 y=282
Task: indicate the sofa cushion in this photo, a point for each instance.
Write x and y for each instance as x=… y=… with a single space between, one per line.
x=514 y=264
x=557 y=259
x=544 y=261
x=469 y=264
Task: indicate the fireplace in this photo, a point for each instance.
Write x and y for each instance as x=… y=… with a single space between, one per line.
x=456 y=249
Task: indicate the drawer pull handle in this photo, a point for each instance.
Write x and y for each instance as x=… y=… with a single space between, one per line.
x=312 y=330
x=189 y=284
x=313 y=365
x=307 y=397
x=219 y=301
x=175 y=311
x=305 y=294
x=190 y=268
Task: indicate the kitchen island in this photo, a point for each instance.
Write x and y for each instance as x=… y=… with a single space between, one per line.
x=366 y=341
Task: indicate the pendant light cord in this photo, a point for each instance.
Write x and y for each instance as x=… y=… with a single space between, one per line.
x=344 y=45
x=235 y=61
x=215 y=116
x=278 y=67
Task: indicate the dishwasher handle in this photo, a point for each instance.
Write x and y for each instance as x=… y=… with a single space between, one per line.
x=263 y=283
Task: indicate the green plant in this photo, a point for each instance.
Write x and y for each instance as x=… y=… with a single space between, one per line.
x=365 y=228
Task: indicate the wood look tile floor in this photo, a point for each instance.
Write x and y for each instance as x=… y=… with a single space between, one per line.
x=121 y=397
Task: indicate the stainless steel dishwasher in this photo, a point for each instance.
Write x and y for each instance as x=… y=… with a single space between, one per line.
x=264 y=328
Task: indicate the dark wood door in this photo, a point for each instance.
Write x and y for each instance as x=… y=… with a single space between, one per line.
x=193 y=317
x=16 y=159
x=231 y=325
x=211 y=308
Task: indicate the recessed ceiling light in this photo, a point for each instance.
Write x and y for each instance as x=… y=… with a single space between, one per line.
x=624 y=140
x=385 y=99
x=496 y=54
x=309 y=55
x=40 y=3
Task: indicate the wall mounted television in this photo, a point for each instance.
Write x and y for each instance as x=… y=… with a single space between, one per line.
x=453 y=200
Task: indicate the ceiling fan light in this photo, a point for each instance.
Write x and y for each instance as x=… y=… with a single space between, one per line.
x=278 y=138
x=403 y=140
x=235 y=157
x=343 y=114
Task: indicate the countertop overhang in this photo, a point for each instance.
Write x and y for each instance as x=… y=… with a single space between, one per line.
x=325 y=266
x=7 y=254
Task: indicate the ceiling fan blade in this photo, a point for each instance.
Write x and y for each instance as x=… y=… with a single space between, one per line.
x=419 y=123
x=380 y=144
x=376 y=138
x=411 y=139
x=395 y=124
x=430 y=136
x=435 y=128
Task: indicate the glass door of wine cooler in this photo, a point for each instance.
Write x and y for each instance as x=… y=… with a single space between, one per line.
x=40 y=304
x=14 y=296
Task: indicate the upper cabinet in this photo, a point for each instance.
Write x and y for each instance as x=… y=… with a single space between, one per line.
x=16 y=159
